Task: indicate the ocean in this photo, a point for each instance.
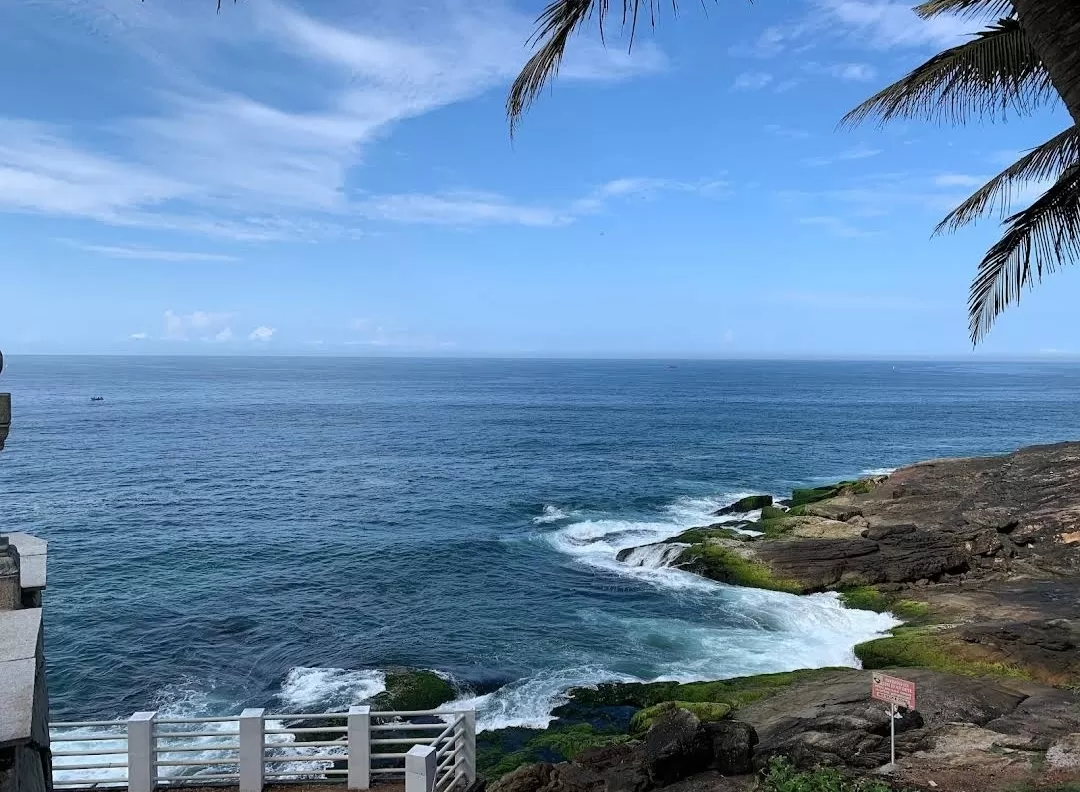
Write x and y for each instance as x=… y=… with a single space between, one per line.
x=262 y=531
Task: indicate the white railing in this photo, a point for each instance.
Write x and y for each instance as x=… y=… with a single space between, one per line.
x=433 y=750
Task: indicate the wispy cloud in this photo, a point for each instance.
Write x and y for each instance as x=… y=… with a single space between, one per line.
x=218 y=157
x=197 y=325
x=958 y=180
x=139 y=336
x=261 y=334
x=869 y=24
x=146 y=254
x=751 y=81
x=856 y=153
x=367 y=332
x=851 y=72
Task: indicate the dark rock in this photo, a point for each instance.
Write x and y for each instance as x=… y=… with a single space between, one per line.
x=709 y=781
x=676 y=747
x=732 y=744
x=748 y=504
x=530 y=778
x=622 y=767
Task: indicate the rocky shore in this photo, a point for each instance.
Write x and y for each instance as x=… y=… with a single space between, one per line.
x=981 y=560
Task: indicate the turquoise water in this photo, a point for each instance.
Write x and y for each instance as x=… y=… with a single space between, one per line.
x=230 y=532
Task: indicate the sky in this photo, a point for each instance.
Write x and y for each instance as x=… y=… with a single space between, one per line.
x=337 y=177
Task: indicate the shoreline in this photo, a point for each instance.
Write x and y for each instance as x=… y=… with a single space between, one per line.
x=978 y=558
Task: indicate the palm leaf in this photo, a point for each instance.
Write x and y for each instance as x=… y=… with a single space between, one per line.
x=559 y=21
x=984 y=9
x=993 y=72
x=1039 y=239
x=1041 y=163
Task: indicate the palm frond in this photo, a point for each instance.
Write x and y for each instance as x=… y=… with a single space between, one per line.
x=994 y=72
x=970 y=9
x=1039 y=239
x=1040 y=164
x=559 y=21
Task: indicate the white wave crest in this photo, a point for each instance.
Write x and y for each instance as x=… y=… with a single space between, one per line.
x=329 y=689
x=554 y=514
x=654 y=556
x=881 y=471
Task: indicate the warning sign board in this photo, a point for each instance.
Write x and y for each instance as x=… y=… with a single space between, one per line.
x=893 y=690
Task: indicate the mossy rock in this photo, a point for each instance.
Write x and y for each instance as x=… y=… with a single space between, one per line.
x=706 y=712
x=927 y=647
x=736 y=693
x=773 y=513
x=872 y=599
x=409 y=690
x=748 y=504
x=500 y=752
x=801 y=497
x=727 y=566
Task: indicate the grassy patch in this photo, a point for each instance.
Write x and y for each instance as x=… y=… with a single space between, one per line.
x=772 y=513
x=914 y=647
x=727 y=566
x=706 y=712
x=781 y=776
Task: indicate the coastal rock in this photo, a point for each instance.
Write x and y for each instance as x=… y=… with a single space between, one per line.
x=676 y=747
x=1065 y=753
x=732 y=744
x=743 y=505
x=410 y=690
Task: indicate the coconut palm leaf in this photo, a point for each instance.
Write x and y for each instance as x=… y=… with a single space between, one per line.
x=978 y=9
x=554 y=28
x=1039 y=239
x=995 y=71
x=1040 y=164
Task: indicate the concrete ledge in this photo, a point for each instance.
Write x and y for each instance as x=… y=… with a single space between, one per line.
x=33 y=553
x=20 y=639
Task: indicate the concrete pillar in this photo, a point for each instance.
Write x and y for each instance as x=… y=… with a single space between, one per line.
x=5 y=417
x=468 y=749
x=420 y=769
x=252 y=750
x=359 y=742
x=142 y=752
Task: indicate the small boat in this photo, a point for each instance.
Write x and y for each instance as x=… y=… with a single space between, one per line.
x=97 y=398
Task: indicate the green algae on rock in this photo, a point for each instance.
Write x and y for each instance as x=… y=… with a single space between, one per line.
x=409 y=690
x=704 y=711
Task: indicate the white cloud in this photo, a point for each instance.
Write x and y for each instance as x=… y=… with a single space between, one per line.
x=262 y=333
x=752 y=81
x=852 y=72
x=225 y=334
x=870 y=24
x=856 y=153
x=139 y=336
x=729 y=336
x=200 y=325
x=958 y=180
x=218 y=157
x=371 y=333
x=147 y=254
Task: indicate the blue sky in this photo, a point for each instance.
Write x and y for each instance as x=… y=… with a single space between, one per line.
x=336 y=177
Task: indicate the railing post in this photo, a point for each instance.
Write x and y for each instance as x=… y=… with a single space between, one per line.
x=468 y=748
x=420 y=769
x=141 y=752
x=252 y=753
x=358 y=733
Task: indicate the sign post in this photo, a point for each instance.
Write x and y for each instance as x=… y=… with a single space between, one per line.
x=895 y=692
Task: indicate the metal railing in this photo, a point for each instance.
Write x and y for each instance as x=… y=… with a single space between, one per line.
x=433 y=750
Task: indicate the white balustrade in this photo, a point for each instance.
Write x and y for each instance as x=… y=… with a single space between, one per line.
x=432 y=750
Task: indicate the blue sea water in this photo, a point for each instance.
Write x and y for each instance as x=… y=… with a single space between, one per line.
x=230 y=532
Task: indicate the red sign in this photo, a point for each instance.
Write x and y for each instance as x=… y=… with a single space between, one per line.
x=893 y=690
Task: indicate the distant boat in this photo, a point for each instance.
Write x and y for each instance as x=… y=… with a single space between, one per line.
x=97 y=398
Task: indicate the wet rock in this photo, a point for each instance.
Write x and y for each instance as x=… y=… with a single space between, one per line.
x=676 y=747
x=748 y=504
